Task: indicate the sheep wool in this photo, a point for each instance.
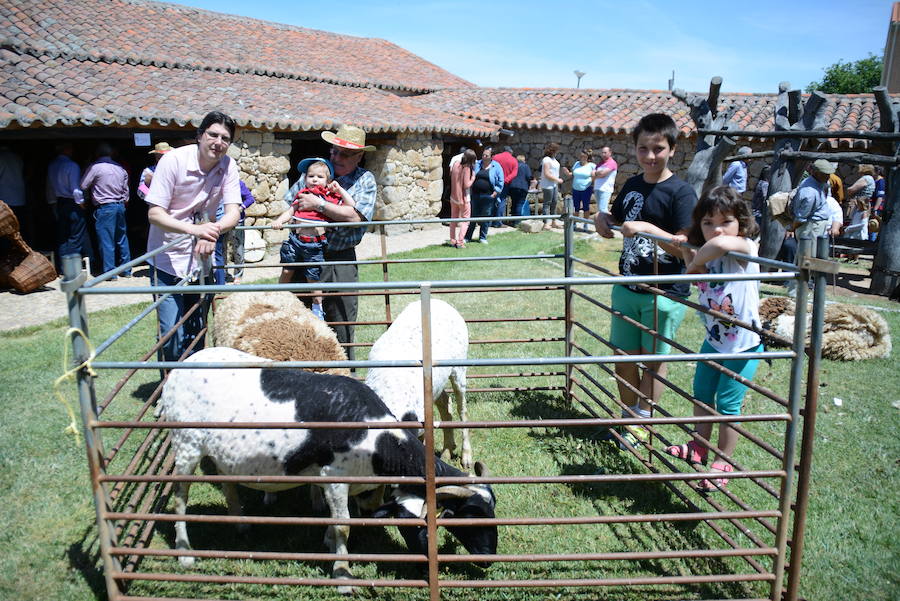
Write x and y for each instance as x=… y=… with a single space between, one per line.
x=851 y=332
x=276 y=326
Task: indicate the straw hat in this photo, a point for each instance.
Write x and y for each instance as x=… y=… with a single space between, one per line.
x=348 y=136
x=161 y=148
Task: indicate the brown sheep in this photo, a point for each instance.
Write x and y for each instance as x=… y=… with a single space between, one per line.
x=276 y=326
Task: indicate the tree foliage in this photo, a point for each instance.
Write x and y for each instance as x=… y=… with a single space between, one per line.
x=857 y=77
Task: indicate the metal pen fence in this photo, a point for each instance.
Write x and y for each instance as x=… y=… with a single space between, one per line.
x=133 y=477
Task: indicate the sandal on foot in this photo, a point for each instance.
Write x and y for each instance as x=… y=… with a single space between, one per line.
x=690 y=452
x=715 y=484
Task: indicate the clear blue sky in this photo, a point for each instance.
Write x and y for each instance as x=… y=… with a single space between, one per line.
x=621 y=44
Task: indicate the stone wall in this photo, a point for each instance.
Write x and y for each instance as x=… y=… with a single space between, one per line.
x=409 y=176
x=263 y=163
x=407 y=171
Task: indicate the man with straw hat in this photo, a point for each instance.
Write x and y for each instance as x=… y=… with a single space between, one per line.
x=348 y=145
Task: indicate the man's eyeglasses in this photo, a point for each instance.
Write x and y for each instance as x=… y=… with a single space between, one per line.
x=345 y=154
x=214 y=136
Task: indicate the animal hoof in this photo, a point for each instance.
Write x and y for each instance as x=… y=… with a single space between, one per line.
x=343 y=573
x=346 y=590
x=187 y=562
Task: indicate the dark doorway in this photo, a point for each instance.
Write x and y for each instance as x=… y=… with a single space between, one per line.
x=37 y=149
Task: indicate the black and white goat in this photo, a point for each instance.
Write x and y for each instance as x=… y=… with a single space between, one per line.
x=288 y=395
x=401 y=388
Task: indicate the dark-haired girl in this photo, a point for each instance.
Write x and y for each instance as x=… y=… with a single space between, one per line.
x=722 y=223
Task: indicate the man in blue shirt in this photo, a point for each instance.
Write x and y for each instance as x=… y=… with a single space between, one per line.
x=809 y=208
x=736 y=174
x=64 y=192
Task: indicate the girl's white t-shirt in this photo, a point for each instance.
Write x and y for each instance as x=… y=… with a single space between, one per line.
x=740 y=299
x=553 y=168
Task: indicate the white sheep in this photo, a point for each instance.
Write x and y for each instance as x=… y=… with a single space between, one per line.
x=402 y=389
x=276 y=326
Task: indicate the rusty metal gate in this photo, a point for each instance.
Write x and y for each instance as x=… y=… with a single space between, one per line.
x=758 y=541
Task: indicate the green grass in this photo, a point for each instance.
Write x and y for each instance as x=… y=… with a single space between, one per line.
x=48 y=542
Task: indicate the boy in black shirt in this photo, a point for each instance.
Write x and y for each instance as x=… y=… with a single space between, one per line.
x=659 y=197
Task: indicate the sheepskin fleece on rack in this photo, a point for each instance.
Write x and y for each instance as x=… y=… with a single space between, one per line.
x=276 y=326
x=851 y=332
x=402 y=388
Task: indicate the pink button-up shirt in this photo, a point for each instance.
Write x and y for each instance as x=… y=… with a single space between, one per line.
x=183 y=190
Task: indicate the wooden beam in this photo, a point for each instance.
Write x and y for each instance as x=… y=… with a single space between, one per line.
x=853 y=158
x=842 y=133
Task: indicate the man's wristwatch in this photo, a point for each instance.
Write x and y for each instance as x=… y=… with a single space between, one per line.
x=321 y=207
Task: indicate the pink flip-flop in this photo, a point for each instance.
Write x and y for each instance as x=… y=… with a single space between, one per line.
x=690 y=452
x=714 y=484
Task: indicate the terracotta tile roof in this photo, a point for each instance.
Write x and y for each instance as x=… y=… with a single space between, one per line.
x=169 y=35
x=618 y=111
x=52 y=91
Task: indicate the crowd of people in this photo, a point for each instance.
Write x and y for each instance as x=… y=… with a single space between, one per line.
x=484 y=187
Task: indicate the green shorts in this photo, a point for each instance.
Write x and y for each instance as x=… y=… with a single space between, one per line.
x=639 y=307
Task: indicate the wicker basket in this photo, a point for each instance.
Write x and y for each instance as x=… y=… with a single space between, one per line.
x=33 y=272
x=9 y=224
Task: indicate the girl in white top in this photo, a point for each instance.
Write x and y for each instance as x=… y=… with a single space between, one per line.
x=722 y=223
x=550 y=181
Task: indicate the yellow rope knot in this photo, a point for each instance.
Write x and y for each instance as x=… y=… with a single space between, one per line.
x=69 y=374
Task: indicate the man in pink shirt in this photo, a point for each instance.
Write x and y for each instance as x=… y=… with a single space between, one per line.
x=604 y=179
x=107 y=182
x=189 y=185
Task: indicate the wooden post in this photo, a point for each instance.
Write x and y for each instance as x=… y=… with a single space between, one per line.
x=705 y=170
x=887 y=254
x=785 y=173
